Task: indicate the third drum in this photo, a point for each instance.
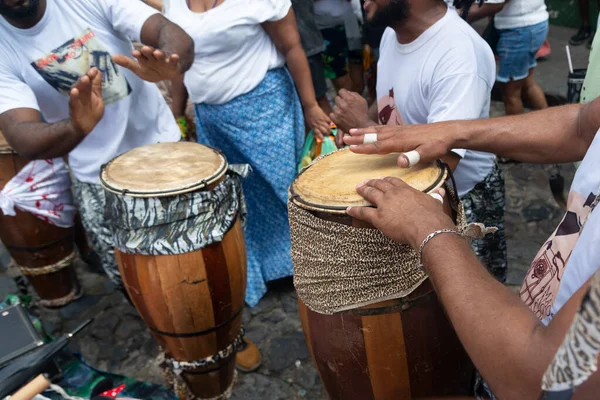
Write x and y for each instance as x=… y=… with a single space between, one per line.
x=176 y=210
x=371 y=319
x=43 y=251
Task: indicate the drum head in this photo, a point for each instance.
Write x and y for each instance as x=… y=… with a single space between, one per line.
x=163 y=169
x=4 y=146
x=330 y=184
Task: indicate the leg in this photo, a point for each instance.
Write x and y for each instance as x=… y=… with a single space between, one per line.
x=534 y=93
x=357 y=73
x=511 y=95
x=317 y=71
x=585 y=32
x=584 y=13
x=486 y=204
x=91 y=203
x=335 y=57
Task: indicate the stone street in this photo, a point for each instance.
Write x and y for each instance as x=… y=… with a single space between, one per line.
x=119 y=342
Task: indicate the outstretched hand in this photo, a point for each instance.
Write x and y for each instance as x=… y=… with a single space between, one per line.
x=152 y=65
x=86 y=106
x=431 y=141
x=400 y=212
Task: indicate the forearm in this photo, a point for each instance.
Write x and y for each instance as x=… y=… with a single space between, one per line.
x=162 y=34
x=40 y=140
x=157 y=4
x=503 y=338
x=555 y=135
x=300 y=71
x=179 y=96
x=486 y=10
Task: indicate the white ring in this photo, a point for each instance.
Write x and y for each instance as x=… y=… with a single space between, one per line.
x=370 y=138
x=413 y=158
x=438 y=197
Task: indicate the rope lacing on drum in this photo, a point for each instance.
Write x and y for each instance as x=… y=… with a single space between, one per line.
x=48 y=269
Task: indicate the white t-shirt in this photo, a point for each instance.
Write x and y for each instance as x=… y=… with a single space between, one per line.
x=330 y=13
x=38 y=67
x=233 y=51
x=447 y=73
x=572 y=254
x=520 y=13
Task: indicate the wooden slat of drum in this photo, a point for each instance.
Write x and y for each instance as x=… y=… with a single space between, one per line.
x=235 y=256
x=189 y=305
x=439 y=365
x=217 y=278
x=339 y=348
x=386 y=354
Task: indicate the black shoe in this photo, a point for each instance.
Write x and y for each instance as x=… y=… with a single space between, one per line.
x=591 y=41
x=581 y=36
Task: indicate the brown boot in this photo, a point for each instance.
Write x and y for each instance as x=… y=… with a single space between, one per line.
x=248 y=358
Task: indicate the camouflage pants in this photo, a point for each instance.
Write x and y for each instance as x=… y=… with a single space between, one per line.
x=90 y=201
x=486 y=204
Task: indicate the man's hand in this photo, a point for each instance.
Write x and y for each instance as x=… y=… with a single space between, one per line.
x=152 y=65
x=86 y=106
x=318 y=121
x=431 y=141
x=402 y=213
x=351 y=111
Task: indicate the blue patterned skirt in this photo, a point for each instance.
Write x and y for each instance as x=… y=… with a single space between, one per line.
x=263 y=128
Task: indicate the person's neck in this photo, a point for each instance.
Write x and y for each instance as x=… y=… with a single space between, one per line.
x=30 y=22
x=419 y=19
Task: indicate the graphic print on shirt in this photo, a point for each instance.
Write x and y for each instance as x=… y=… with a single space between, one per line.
x=63 y=66
x=543 y=278
x=388 y=112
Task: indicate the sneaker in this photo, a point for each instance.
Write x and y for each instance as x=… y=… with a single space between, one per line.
x=248 y=358
x=581 y=36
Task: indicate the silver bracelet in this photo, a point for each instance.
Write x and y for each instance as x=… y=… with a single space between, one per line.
x=431 y=236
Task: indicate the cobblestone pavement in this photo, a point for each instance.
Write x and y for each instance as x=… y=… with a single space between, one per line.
x=119 y=342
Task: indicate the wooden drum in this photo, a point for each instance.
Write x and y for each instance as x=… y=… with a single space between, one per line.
x=44 y=252
x=387 y=347
x=164 y=202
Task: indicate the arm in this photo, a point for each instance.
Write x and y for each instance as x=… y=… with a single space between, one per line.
x=34 y=139
x=168 y=50
x=157 y=4
x=507 y=343
x=554 y=135
x=284 y=34
x=179 y=96
x=160 y=33
x=477 y=12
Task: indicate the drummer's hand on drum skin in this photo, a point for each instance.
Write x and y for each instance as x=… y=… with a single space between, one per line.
x=350 y=111
x=317 y=120
x=432 y=141
x=402 y=213
x=152 y=65
x=86 y=106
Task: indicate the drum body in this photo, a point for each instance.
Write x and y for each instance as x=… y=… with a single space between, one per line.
x=398 y=348
x=192 y=301
x=44 y=252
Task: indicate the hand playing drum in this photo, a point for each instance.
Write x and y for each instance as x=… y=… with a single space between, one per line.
x=402 y=213
x=430 y=142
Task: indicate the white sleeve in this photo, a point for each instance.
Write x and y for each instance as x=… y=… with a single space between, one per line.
x=278 y=10
x=15 y=92
x=458 y=97
x=127 y=16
